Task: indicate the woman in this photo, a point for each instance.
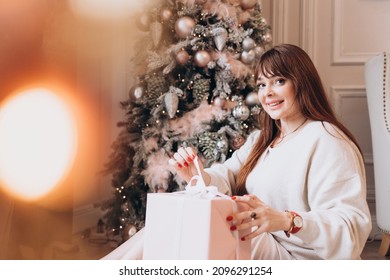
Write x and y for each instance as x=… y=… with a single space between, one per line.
x=302 y=176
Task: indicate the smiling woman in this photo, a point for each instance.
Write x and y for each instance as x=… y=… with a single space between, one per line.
x=37 y=143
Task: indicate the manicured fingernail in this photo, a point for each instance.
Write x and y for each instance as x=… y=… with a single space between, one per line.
x=179 y=165
x=243 y=238
x=234 y=197
x=185 y=164
x=229 y=218
x=193 y=156
x=233 y=227
x=189 y=159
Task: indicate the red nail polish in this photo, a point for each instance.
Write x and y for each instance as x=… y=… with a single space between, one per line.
x=229 y=218
x=189 y=159
x=193 y=156
x=233 y=227
x=242 y=238
x=179 y=165
x=234 y=197
x=185 y=164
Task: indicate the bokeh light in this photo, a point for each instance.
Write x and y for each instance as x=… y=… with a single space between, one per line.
x=103 y=9
x=38 y=141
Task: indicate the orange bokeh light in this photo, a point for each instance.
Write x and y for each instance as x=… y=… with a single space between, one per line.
x=38 y=142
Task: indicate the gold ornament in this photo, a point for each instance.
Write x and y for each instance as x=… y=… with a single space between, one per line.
x=202 y=58
x=184 y=25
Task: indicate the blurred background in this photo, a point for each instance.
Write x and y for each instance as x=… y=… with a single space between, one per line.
x=74 y=57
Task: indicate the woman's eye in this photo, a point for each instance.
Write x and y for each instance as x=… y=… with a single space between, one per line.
x=261 y=85
x=280 y=81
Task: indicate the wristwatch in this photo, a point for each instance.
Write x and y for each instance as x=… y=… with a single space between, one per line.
x=296 y=223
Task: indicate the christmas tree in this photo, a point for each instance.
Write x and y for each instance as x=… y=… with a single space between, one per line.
x=196 y=88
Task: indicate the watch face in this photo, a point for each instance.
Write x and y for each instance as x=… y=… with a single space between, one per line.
x=298 y=222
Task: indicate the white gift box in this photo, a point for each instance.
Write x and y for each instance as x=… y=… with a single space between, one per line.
x=180 y=226
x=192 y=225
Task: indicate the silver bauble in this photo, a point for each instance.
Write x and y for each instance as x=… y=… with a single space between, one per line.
x=241 y=112
x=248 y=44
x=248 y=56
x=248 y=4
x=136 y=93
x=222 y=145
x=219 y=102
x=182 y=57
x=252 y=99
x=220 y=37
x=184 y=25
x=202 y=58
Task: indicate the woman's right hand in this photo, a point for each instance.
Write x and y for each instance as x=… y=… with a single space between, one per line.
x=183 y=162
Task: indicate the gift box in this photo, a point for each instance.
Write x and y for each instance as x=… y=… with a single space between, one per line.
x=185 y=227
x=191 y=225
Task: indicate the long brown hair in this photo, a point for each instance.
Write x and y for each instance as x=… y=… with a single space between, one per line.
x=293 y=63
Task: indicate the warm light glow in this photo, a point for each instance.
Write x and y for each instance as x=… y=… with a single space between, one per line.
x=103 y=9
x=37 y=142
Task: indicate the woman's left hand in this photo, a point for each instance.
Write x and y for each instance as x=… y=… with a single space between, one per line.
x=260 y=217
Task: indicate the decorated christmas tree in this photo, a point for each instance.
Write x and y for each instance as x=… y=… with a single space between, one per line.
x=195 y=87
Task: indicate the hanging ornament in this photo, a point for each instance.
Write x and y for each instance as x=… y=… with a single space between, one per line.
x=202 y=58
x=238 y=141
x=220 y=37
x=247 y=4
x=182 y=57
x=171 y=100
x=241 y=112
x=166 y=14
x=219 y=102
x=252 y=99
x=156 y=30
x=136 y=93
x=267 y=38
x=222 y=145
x=248 y=56
x=248 y=43
x=258 y=51
x=143 y=22
x=184 y=25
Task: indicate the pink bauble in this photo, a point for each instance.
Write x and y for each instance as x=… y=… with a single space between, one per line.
x=184 y=25
x=166 y=14
x=247 y=4
x=202 y=58
x=182 y=57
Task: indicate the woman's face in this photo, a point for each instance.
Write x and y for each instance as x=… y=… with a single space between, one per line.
x=277 y=96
